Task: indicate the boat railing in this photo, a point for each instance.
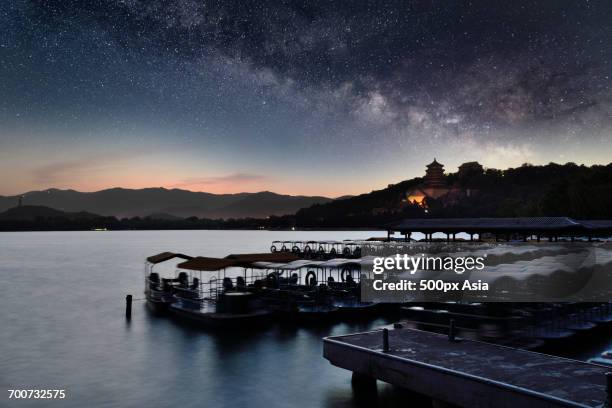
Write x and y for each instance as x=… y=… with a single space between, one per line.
x=214 y=287
x=319 y=248
x=286 y=277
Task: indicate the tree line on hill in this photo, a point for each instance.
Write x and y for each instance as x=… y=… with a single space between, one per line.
x=78 y=222
x=580 y=192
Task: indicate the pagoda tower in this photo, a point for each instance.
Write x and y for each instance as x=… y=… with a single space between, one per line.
x=433 y=186
x=434 y=175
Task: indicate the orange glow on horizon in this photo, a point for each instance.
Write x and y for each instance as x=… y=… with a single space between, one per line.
x=282 y=187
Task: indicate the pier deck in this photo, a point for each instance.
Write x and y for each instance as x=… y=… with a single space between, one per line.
x=469 y=373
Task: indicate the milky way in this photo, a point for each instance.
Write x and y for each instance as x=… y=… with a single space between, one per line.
x=313 y=97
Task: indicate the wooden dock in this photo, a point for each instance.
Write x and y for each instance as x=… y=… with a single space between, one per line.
x=468 y=373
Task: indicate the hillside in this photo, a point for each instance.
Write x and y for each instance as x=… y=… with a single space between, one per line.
x=37 y=212
x=120 y=202
x=258 y=205
x=552 y=190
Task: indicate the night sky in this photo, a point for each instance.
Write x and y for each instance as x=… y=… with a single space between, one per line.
x=327 y=98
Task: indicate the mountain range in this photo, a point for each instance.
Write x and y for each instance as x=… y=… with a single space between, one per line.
x=166 y=203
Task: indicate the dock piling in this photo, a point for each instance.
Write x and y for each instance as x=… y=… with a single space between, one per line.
x=364 y=387
x=128 y=307
x=608 y=390
x=451 y=330
x=385 y=333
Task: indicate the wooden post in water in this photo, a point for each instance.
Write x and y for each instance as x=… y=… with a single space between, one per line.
x=451 y=330
x=608 y=402
x=128 y=307
x=385 y=340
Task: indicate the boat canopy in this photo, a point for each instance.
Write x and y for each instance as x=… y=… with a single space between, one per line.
x=305 y=263
x=248 y=259
x=265 y=265
x=366 y=260
x=274 y=260
x=544 y=266
x=201 y=263
x=300 y=263
x=340 y=262
x=166 y=256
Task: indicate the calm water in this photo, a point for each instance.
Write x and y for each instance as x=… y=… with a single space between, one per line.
x=62 y=326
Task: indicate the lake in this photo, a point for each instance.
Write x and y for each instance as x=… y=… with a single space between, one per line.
x=63 y=327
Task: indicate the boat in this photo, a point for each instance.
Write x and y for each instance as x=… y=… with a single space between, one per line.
x=159 y=290
x=211 y=297
x=314 y=290
x=292 y=290
x=344 y=279
x=601 y=314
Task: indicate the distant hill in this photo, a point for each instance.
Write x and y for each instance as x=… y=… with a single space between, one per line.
x=40 y=218
x=120 y=202
x=258 y=205
x=580 y=192
x=34 y=212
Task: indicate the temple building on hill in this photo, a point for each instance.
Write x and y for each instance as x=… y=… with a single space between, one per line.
x=470 y=169
x=434 y=185
x=434 y=179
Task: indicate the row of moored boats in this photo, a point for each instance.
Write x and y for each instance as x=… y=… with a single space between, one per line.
x=242 y=289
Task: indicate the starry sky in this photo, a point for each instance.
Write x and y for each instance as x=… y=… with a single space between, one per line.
x=297 y=97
